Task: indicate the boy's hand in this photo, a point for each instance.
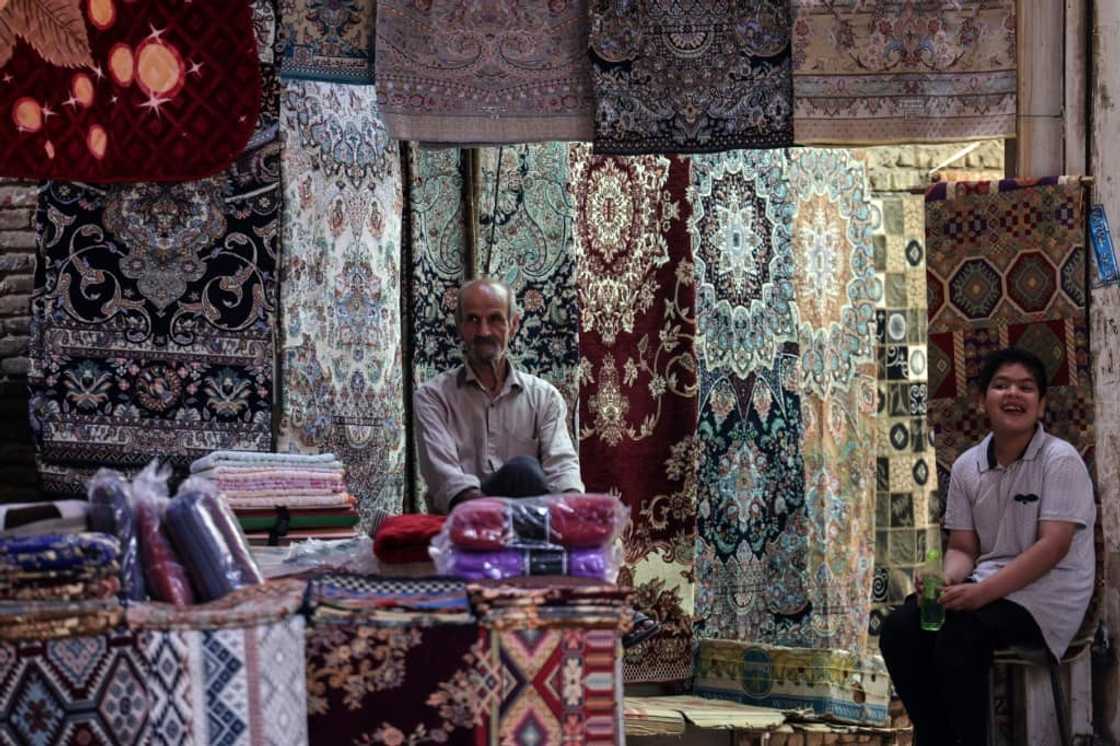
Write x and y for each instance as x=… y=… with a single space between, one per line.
x=965 y=596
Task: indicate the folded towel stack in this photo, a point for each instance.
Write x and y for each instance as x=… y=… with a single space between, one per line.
x=281 y=497
x=56 y=585
x=498 y=538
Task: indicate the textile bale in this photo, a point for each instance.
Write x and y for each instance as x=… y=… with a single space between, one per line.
x=557 y=648
x=408 y=651
x=78 y=690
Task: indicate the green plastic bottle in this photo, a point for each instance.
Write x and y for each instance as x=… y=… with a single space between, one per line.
x=933 y=613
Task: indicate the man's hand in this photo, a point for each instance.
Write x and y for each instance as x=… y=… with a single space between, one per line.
x=965 y=596
x=470 y=493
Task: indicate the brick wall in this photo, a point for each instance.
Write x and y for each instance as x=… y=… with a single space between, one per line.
x=18 y=478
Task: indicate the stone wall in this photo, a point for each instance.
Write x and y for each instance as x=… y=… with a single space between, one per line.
x=899 y=168
x=18 y=479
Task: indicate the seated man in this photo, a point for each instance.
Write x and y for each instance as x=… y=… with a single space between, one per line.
x=1019 y=568
x=486 y=428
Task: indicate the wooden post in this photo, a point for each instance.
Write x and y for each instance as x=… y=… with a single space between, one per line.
x=1076 y=88
x=1104 y=147
x=1041 y=48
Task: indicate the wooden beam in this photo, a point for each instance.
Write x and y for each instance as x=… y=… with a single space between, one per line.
x=1040 y=52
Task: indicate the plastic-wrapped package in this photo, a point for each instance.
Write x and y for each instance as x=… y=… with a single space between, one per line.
x=205 y=533
x=111 y=512
x=567 y=520
x=164 y=574
x=599 y=563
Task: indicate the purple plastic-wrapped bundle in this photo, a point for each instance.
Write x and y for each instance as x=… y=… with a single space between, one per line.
x=600 y=563
x=111 y=512
x=209 y=541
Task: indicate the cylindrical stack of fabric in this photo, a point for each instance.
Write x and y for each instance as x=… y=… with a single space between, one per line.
x=58 y=585
x=497 y=538
x=283 y=497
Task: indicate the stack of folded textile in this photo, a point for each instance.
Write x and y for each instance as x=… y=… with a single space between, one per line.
x=281 y=497
x=58 y=585
x=496 y=538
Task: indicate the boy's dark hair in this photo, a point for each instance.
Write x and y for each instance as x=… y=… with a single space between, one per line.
x=1007 y=356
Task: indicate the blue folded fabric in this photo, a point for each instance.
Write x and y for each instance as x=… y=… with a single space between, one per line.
x=111 y=512
x=208 y=541
x=54 y=552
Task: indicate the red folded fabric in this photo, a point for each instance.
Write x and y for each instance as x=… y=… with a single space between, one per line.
x=584 y=520
x=403 y=539
x=166 y=577
x=573 y=521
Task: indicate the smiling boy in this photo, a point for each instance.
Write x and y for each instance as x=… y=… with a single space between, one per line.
x=1019 y=564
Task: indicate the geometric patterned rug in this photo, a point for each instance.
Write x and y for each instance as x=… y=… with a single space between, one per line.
x=1007 y=267
x=905 y=471
x=76 y=690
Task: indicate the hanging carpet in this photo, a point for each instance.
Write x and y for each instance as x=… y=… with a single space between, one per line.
x=1006 y=268
x=694 y=77
x=525 y=239
x=876 y=71
x=638 y=383
x=342 y=388
x=481 y=72
x=106 y=92
x=785 y=273
x=152 y=320
x=327 y=41
x=905 y=468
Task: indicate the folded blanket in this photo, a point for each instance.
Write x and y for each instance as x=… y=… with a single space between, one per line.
x=30 y=519
x=42 y=620
x=294 y=501
x=511 y=563
x=251 y=458
x=570 y=520
x=67 y=590
x=57 y=552
x=205 y=534
x=279 y=494
x=405 y=538
x=255 y=474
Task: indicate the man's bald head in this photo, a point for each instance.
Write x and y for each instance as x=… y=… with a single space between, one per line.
x=513 y=311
